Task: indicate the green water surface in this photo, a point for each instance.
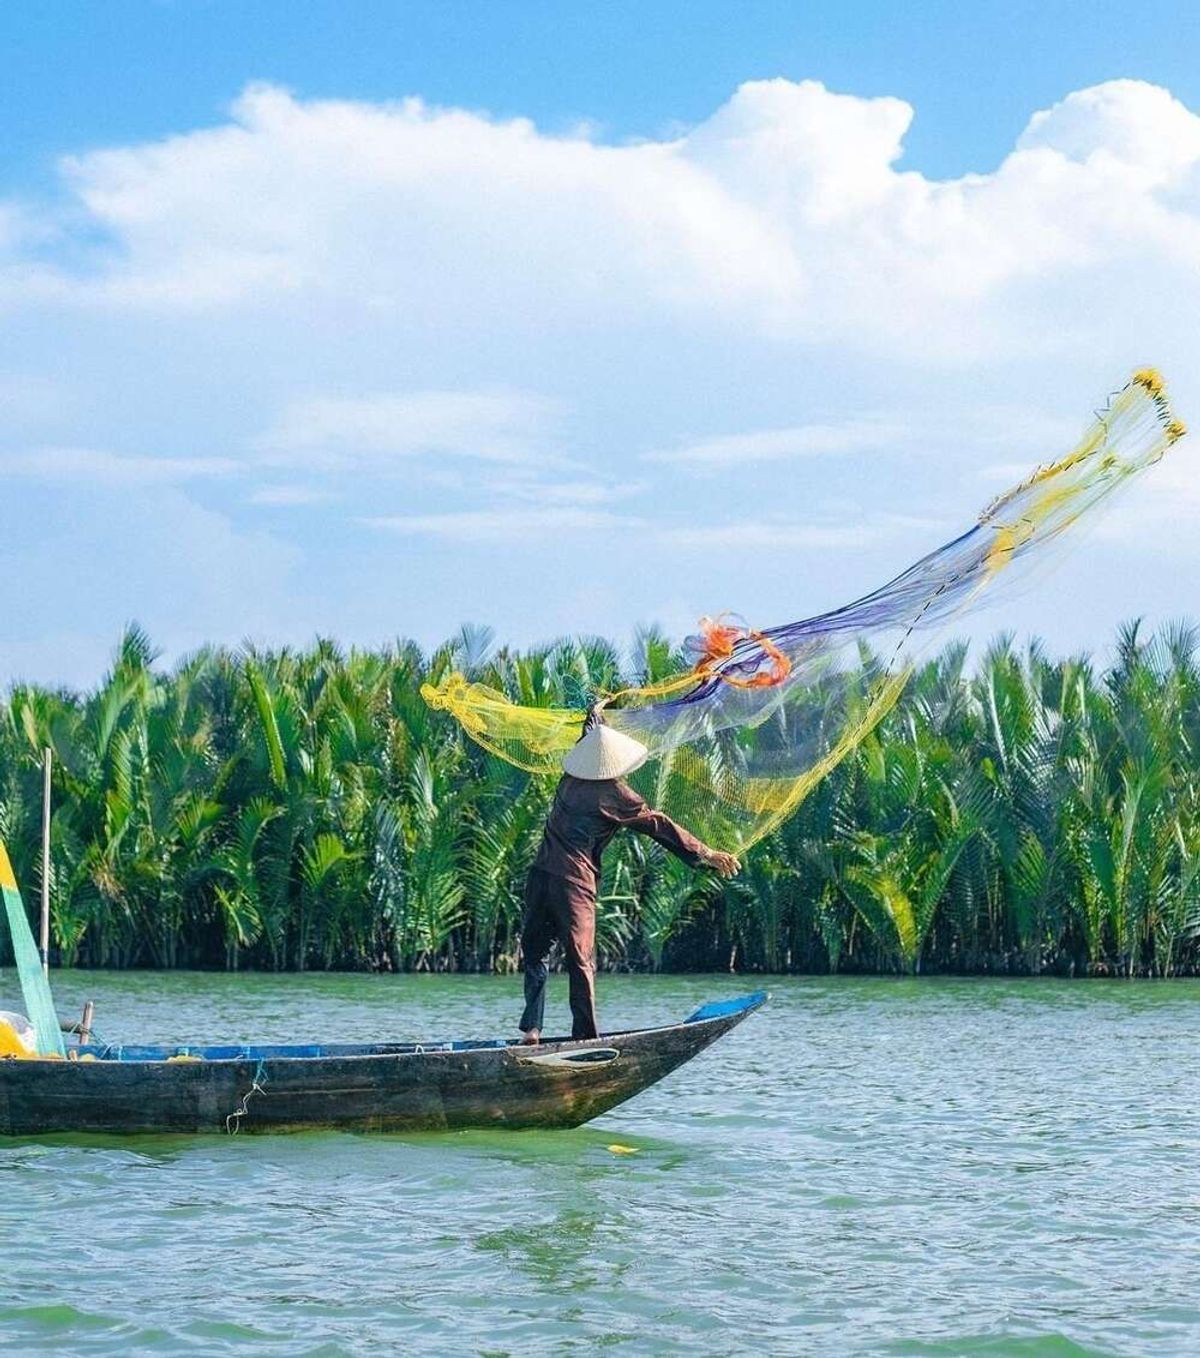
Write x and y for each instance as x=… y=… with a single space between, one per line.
x=866 y=1166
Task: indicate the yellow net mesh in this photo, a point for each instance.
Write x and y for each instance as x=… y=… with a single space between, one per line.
x=739 y=739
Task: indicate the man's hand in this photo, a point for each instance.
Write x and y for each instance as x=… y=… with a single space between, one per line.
x=725 y=863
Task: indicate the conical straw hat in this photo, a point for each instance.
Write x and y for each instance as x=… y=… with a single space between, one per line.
x=604 y=753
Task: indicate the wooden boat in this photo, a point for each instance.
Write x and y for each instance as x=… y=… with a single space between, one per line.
x=386 y=1087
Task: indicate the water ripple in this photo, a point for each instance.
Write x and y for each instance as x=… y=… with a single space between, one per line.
x=869 y=1166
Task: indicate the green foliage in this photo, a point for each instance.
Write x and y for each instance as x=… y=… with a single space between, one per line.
x=288 y=809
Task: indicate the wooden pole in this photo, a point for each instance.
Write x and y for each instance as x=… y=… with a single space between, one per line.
x=85 y=1023
x=45 y=939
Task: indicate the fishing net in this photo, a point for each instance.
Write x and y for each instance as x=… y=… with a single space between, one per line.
x=742 y=736
x=35 y=988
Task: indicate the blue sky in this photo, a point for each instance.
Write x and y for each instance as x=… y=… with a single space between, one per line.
x=81 y=75
x=762 y=299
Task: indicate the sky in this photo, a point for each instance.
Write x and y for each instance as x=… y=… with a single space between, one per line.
x=369 y=321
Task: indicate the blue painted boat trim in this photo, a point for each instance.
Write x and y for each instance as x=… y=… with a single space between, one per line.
x=742 y=1004
x=259 y=1051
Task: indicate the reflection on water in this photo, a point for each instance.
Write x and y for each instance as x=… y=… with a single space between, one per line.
x=909 y=1167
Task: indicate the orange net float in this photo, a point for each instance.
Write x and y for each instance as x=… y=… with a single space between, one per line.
x=716 y=644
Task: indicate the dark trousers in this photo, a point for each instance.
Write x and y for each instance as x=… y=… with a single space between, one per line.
x=562 y=910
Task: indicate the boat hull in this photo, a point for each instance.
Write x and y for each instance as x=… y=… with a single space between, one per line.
x=398 y=1088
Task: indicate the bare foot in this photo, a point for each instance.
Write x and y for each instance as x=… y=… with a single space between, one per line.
x=531 y=1038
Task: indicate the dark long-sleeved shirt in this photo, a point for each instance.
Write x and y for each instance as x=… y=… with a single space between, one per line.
x=587 y=813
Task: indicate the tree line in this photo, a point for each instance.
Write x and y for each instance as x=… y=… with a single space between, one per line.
x=296 y=809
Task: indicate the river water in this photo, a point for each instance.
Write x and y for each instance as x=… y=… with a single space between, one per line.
x=866 y=1166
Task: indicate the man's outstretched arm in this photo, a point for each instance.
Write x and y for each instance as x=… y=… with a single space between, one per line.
x=632 y=812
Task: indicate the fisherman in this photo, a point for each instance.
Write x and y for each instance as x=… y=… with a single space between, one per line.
x=591 y=804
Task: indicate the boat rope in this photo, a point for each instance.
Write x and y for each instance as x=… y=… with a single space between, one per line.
x=234 y=1121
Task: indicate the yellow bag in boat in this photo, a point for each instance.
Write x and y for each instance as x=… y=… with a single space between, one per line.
x=17 y=1037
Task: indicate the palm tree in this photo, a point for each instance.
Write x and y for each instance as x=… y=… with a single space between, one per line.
x=301 y=808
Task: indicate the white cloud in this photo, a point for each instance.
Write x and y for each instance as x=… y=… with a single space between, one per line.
x=771 y=445
x=771 y=533
x=1124 y=127
x=470 y=331
x=777 y=533
x=783 y=215
x=554 y=493
x=334 y=432
x=412 y=206
x=506 y=525
x=99 y=465
x=561 y=523
x=1004 y=473
x=783 y=210
x=289 y=495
